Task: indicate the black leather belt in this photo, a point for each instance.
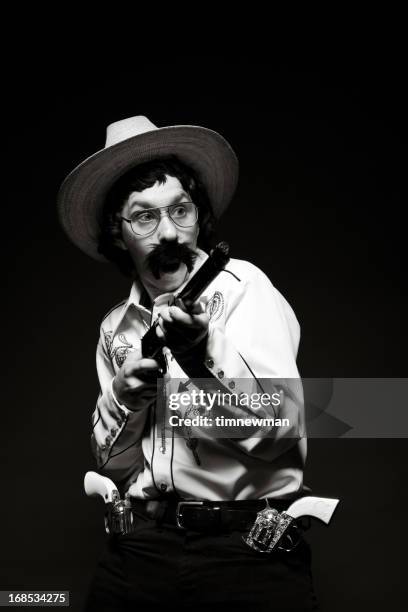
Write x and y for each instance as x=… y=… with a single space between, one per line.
x=204 y=516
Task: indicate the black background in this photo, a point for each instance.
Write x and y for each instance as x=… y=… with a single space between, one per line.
x=319 y=208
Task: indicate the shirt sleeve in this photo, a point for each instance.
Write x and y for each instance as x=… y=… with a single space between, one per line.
x=255 y=352
x=117 y=431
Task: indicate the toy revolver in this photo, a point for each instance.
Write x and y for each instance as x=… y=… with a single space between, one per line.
x=217 y=260
x=270 y=527
x=118 y=516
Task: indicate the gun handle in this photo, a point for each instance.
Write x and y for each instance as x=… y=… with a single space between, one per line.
x=95 y=484
x=321 y=508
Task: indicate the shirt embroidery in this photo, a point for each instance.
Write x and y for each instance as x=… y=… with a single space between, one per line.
x=215 y=306
x=119 y=353
x=192 y=443
x=108 y=341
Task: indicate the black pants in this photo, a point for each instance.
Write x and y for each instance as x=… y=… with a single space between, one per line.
x=159 y=566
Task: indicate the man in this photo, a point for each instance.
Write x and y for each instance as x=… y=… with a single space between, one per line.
x=148 y=202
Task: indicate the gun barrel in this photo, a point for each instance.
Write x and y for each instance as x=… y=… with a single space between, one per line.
x=216 y=262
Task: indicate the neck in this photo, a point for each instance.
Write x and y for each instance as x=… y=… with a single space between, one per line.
x=153 y=291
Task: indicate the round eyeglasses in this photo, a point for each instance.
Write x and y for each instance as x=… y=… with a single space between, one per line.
x=145 y=222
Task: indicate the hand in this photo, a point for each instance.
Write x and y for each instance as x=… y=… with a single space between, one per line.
x=136 y=378
x=180 y=330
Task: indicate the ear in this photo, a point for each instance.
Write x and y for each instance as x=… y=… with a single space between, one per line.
x=119 y=243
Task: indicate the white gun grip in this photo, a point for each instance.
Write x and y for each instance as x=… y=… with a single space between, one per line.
x=95 y=484
x=320 y=507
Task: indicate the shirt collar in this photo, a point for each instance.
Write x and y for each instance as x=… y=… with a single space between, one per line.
x=137 y=290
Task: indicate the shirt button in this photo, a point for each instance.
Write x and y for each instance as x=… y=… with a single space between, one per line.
x=210 y=363
x=231 y=385
x=163 y=487
x=220 y=374
x=113 y=432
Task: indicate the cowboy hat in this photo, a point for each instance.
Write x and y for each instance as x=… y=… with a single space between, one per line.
x=131 y=142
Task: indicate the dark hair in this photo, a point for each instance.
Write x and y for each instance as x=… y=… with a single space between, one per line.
x=137 y=179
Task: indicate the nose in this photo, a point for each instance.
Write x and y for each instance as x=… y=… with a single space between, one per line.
x=166 y=230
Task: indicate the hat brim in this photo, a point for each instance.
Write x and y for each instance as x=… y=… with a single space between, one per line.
x=83 y=193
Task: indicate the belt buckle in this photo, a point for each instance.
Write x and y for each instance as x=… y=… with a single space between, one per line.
x=179 y=511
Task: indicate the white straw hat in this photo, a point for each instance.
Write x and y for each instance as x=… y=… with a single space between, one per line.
x=131 y=142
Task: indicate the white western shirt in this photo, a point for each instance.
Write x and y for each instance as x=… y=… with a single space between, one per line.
x=253 y=334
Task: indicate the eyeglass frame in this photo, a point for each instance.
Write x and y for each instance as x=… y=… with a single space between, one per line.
x=160 y=218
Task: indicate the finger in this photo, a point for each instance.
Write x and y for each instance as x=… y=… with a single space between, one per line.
x=184 y=324
x=145 y=365
x=200 y=316
x=202 y=320
x=180 y=304
x=172 y=332
x=160 y=331
x=165 y=315
x=180 y=317
x=164 y=325
x=195 y=308
x=134 y=353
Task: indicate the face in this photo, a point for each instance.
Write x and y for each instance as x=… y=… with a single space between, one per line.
x=139 y=247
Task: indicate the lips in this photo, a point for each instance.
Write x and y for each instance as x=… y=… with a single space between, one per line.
x=170 y=266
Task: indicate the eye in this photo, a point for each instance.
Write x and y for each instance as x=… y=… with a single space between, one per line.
x=144 y=217
x=180 y=210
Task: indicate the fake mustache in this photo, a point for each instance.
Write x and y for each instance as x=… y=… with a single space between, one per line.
x=167 y=256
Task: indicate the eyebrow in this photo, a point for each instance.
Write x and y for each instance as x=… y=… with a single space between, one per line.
x=145 y=205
